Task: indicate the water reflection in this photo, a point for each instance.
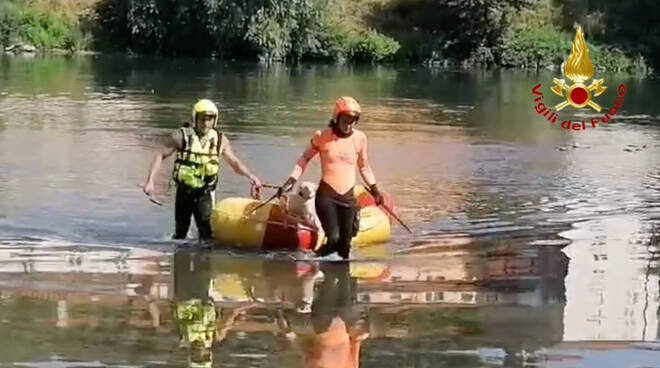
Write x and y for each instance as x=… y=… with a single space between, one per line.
x=338 y=327
x=207 y=304
x=195 y=314
x=612 y=292
x=382 y=299
x=496 y=303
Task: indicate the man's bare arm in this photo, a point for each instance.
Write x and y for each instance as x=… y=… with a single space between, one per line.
x=172 y=144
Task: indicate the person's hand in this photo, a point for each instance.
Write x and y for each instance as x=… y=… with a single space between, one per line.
x=380 y=200
x=255 y=192
x=286 y=187
x=148 y=188
x=255 y=187
x=378 y=197
x=255 y=181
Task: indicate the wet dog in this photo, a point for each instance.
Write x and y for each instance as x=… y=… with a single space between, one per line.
x=300 y=205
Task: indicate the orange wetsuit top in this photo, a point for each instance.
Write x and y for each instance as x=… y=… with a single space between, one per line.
x=339 y=157
x=333 y=348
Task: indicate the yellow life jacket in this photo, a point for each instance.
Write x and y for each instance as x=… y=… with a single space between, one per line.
x=197 y=166
x=197 y=321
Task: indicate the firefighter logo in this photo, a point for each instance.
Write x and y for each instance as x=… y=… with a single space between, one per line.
x=579 y=69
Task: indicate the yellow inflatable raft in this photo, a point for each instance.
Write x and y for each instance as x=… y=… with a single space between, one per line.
x=234 y=223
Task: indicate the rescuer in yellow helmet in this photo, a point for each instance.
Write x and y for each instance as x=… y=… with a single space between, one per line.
x=196 y=168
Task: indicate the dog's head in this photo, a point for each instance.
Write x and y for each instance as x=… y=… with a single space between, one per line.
x=307 y=190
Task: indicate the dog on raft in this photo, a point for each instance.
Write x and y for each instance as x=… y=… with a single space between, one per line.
x=300 y=208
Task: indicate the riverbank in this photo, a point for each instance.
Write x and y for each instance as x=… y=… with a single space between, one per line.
x=447 y=34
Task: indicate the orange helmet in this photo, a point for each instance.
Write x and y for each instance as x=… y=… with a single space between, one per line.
x=346 y=105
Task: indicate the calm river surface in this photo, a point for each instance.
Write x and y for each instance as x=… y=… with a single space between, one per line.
x=533 y=246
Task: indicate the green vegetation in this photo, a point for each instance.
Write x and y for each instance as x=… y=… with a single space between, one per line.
x=285 y=30
x=537 y=40
x=547 y=47
x=504 y=33
x=39 y=25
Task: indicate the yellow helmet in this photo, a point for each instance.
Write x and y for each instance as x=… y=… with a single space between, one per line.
x=205 y=106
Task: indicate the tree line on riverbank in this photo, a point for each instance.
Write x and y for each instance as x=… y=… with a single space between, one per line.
x=505 y=33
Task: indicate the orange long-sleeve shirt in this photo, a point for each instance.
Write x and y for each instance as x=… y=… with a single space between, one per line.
x=339 y=158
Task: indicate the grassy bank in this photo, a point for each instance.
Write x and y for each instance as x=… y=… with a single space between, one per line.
x=536 y=39
x=45 y=24
x=547 y=47
x=504 y=33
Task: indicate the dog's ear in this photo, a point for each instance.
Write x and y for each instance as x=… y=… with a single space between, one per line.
x=306 y=192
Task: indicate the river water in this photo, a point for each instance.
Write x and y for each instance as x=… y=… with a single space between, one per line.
x=533 y=246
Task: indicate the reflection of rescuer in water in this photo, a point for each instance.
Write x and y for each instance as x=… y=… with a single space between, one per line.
x=338 y=329
x=194 y=312
x=199 y=322
x=197 y=168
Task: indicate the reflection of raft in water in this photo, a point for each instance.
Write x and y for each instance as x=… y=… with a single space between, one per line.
x=248 y=279
x=269 y=228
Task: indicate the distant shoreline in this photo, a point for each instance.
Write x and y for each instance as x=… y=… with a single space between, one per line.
x=460 y=34
x=447 y=65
